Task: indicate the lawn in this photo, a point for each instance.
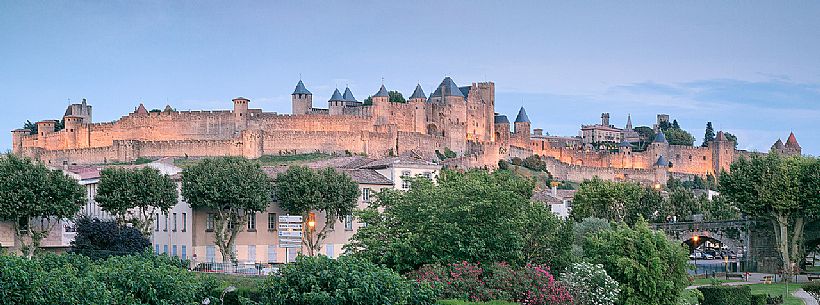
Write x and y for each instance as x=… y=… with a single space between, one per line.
x=778 y=289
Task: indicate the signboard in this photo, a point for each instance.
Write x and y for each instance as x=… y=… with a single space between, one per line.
x=290 y=219
x=290 y=231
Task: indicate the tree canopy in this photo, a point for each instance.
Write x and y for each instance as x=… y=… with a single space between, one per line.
x=615 y=201
x=709 y=135
x=301 y=190
x=230 y=189
x=146 y=191
x=101 y=239
x=677 y=136
x=30 y=191
x=473 y=216
x=783 y=190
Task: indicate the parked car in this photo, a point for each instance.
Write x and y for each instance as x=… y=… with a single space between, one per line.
x=708 y=256
x=696 y=255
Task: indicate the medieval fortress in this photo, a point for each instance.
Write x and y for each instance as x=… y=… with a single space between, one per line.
x=451 y=119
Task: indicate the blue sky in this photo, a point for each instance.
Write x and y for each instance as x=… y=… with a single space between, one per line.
x=752 y=68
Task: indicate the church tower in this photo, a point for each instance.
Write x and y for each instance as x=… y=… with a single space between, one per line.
x=302 y=99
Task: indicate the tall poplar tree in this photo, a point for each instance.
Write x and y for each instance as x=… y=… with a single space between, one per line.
x=709 y=136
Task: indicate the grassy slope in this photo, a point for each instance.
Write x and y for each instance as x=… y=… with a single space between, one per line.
x=268 y=160
x=778 y=289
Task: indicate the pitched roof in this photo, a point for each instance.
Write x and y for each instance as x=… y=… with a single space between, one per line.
x=400 y=160
x=300 y=89
x=382 y=92
x=418 y=93
x=545 y=196
x=367 y=176
x=141 y=109
x=501 y=119
x=792 y=141
x=336 y=96
x=465 y=90
x=662 y=162
x=447 y=88
x=522 y=116
x=660 y=138
x=778 y=144
x=168 y=108
x=625 y=143
x=348 y=96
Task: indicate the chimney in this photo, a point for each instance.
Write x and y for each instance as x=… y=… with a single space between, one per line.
x=538 y=132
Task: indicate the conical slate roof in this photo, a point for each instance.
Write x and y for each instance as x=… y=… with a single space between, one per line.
x=418 y=93
x=522 y=116
x=778 y=144
x=447 y=88
x=662 y=162
x=168 y=108
x=141 y=109
x=300 y=89
x=336 y=96
x=382 y=92
x=792 y=141
x=660 y=138
x=348 y=96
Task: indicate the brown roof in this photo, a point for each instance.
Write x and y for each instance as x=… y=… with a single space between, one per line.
x=403 y=160
x=368 y=176
x=792 y=141
x=85 y=172
x=546 y=196
x=341 y=162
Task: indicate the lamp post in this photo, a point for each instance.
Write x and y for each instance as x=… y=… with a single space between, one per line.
x=695 y=246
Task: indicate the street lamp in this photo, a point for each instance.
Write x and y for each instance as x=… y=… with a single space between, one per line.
x=311 y=221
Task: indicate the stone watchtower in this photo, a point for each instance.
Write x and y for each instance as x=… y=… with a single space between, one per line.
x=502 y=129
x=417 y=101
x=658 y=148
x=240 y=113
x=723 y=153
x=45 y=127
x=522 y=128
x=302 y=99
x=380 y=101
x=17 y=136
x=336 y=104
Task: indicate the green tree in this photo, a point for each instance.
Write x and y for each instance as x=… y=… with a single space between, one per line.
x=230 y=188
x=709 y=136
x=123 y=192
x=302 y=191
x=473 y=216
x=547 y=238
x=35 y=199
x=650 y=268
x=785 y=191
x=32 y=127
x=101 y=239
x=675 y=124
x=615 y=201
x=677 y=136
x=731 y=137
x=396 y=97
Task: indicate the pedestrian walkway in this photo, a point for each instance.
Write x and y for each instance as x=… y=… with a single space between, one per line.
x=807 y=298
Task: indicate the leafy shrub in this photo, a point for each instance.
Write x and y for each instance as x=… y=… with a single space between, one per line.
x=691 y=297
x=813 y=288
x=726 y=295
x=101 y=239
x=532 y=284
x=503 y=164
x=347 y=280
x=535 y=163
x=516 y=161
x=760 y=299
x=590 y=285
x=76 y=279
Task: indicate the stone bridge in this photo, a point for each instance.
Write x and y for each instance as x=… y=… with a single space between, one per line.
x=733 y=234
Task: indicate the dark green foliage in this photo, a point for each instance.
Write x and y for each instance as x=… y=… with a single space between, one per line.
x=503 y=165
x=31 y=127
x=709 y=135
x=677 y=136
x=535 y=163
x=30 y=190
x=615 y=201
x=396 y=97
x=447 y=154
x=650 y=268
x=101 y=239
x=731 y=137
x=121 y=190
x=726 y=295
x=675 y=124
x=759 y=299
x=76 y=279
x=473 y=216
x=812 y=288
x=517 y=161
x=344 y=281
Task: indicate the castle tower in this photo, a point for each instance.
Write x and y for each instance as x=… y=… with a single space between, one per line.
x=625 y=147
x=605 y=119
x=502 y=129
x=17 y=136
x=140 y=110
x=82 y=110
x=661 y=166
x=336 y=103
x=348 y=97
x=723 y=153
x=380 y=103
x=240 y=113
x=417 y=101
x=522 y=128
x=302 y=99
x=46 y=127
x=72 y=126
x=659 y=146
x=792 y=147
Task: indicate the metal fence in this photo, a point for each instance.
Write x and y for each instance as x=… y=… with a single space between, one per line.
x=251 y=269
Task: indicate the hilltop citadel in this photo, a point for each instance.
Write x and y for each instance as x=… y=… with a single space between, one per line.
x=454 y=119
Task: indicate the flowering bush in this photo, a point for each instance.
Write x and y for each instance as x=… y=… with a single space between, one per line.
x=530 y=285
x=590 y=285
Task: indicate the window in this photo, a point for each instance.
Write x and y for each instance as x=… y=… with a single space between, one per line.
x=210 y=254
x=230 y=225
x=184 y=222
x=175 y=222
x=329 y=249
x=164 y=249
x=348 y=222
x=252 y=253
x=166 y=223
x=366 y=194
x=209 y=222
x=184 y=252
x=271 y=254
x=156 y=248
x=156 y=218
x=272 y=221
x=174 y=250
x=428 y=175
x=252 y=222
x=405 y=173
x=405 y=184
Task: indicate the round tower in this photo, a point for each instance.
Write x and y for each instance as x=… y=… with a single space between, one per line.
x=72 y=122
x=240 y=112
x=417 y=101
x=502 y=129
x=336 y=103
x=522 y=127
x=302 y=99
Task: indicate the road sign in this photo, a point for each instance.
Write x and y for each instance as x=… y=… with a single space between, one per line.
x=290 y=219
x=290 y=245
x=290 y=226
x=290 y=234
